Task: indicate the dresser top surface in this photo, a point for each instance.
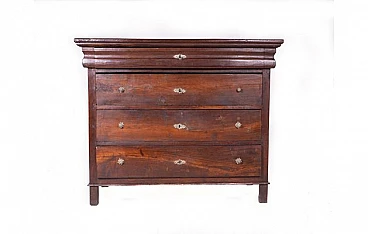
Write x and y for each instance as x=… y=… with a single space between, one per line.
x=130 y=42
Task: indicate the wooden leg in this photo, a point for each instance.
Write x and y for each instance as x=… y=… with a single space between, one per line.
x=263 y=190
x=93 y=195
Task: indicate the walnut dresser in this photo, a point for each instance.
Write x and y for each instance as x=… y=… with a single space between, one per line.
x=178 y=111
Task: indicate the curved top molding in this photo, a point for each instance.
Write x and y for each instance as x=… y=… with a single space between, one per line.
x=144 y=43
x=178 y=53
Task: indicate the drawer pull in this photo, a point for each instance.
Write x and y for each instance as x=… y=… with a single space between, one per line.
x=120 y=161
x=238 y=90
x=238 y=161
x=238 y=124
x=121 y=125
x=121 y=89
x=180 y=162
x=180 y=56
x=180 y=126
x=179 y=90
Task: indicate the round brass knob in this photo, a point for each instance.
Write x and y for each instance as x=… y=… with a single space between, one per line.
x=238 y=124
x=121 y=89
x=120 y=161
x=238 y=90
x=238 y=161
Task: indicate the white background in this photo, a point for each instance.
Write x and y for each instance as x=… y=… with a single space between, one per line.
x=318 y=126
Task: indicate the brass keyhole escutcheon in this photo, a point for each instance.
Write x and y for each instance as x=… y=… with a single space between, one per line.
x=180 y=126
x=179 y=90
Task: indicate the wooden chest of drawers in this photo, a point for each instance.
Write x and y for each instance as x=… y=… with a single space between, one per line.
x=178 y=111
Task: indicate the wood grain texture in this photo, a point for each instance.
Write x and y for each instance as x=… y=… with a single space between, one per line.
x=206 y=53
x=183 y=180
x=158 y=125
x=181 y=43
x=190 y=53
x=92 y=124
x=159 y=162
x=149 y=144
x=265 y=122
x=91 y=62
x=179 y=143
x=177 y=71
x=145 y=91
x=93 y=190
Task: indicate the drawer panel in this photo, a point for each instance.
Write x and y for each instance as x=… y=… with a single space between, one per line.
x=187 y=54
x=175 y=57
x=178 y=161
x=179 y=90
x=178 y=125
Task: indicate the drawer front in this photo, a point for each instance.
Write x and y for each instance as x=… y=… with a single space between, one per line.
x=178 y=125
x=178 y=161
x=179 y=90
x=183 y=54
x=171 y=57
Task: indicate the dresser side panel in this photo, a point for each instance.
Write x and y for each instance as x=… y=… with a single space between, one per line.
x=92 y=125
x=265 y=121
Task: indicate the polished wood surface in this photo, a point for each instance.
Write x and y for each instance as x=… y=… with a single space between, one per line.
x=94 y=191
x=197 y=161
x=191 y=53
x=180 y=43
x=182 y=180
x=171 y=136
x=142 y=91
x=150 y=53
x=158 y=125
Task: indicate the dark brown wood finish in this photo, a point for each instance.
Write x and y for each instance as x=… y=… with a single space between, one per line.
x=147 y=148
x=115 y=53
x=178 y=71
x=94 y=193
x=263 y=193
x=263 y=189
x=193 y=53
x=178 y=161
x=145 y=91
x=182 y=180
x=179 y=143
x=196 y=125
x=187 y=63
x=86 y=43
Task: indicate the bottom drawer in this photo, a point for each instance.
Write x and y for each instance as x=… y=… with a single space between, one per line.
x=178 y=161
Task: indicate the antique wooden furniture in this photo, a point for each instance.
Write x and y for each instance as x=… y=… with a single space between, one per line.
x=178 y=111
